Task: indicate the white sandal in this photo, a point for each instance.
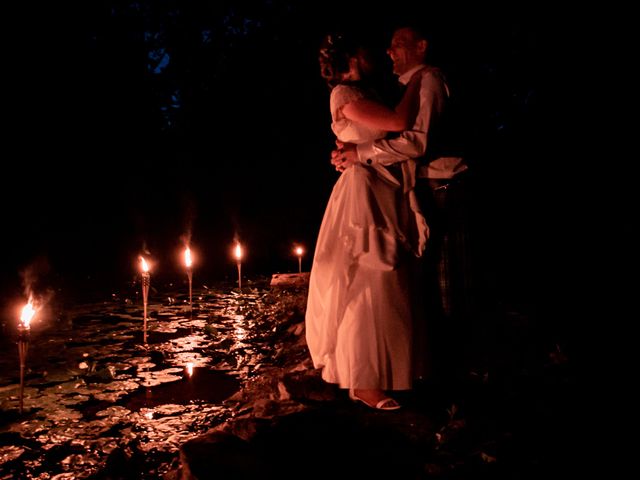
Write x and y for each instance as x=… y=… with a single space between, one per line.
x=387 y=403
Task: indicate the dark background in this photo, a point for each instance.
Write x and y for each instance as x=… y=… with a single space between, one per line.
x=135 y=124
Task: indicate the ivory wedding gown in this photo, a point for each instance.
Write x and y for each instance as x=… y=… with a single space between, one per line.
x=359 y=308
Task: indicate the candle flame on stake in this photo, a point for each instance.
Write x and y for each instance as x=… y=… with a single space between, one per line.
x=144 y=264
x=238 y=252
x=27 y=314
x=299 y=251
x=187 y=257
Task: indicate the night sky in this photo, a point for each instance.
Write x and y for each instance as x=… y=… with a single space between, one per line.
x=135 y=123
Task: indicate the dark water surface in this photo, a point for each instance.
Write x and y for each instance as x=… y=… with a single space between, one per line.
x=93 y=391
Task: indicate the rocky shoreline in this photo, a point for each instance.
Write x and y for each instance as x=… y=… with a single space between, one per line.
x=102 y=407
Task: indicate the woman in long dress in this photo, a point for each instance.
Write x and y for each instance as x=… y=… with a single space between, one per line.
x=359 y=320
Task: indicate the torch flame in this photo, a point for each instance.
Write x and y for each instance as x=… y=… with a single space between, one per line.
x=238 y=252
x=27 y=314
x=144 y=265
x=299 y=251
x=189 y=368
x=187 y=257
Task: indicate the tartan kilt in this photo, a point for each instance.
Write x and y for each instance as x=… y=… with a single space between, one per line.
x=447 y=271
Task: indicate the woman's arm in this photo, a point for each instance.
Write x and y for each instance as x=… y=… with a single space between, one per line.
x=376 y=115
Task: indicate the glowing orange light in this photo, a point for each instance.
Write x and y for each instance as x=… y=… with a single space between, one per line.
x=189 y=368
x=299 y=251
x=187 y=257
x=238 y=252
x=144 y=265
x=27 y=314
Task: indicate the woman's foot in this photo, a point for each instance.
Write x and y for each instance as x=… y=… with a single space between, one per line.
x=374 y=398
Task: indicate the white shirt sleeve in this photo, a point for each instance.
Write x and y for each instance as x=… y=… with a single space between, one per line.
x=410 y=143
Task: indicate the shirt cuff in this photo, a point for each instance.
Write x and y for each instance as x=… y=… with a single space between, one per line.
x=366 y=153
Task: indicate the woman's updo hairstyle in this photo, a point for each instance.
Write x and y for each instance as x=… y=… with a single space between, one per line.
x=334 y=55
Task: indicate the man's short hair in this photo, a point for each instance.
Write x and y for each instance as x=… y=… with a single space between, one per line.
x=420 y=29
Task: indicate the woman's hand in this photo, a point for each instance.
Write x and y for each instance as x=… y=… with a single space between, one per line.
x=344 y=156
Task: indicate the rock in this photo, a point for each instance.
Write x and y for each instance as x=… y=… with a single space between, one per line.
x=244 y=427
x=290 y=279
x=284 y=394
x=265 y=408
x=219 y=455
x=308 y=385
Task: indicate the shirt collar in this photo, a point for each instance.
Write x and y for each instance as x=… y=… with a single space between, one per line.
x=406 y=76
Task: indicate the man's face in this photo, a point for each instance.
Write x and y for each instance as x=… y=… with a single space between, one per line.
x=405 y=50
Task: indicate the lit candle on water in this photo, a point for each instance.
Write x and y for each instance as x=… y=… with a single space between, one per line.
x=24 y=327
x=299 y=251
x=27 y=314
x=238 y=255
x=146 y=281
x=189 y=262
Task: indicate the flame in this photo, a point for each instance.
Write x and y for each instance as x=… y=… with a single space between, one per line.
x=187 y=257
x=299 y=251
x=27 y=314
x=144 y=265
x=189 y=368
x=238 y=252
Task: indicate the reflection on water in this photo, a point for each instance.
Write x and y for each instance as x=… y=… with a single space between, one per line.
x=93 y=388
x=203 y=386
x=239 y=332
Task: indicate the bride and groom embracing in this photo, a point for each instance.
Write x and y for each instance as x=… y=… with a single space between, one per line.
x=367 y=324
